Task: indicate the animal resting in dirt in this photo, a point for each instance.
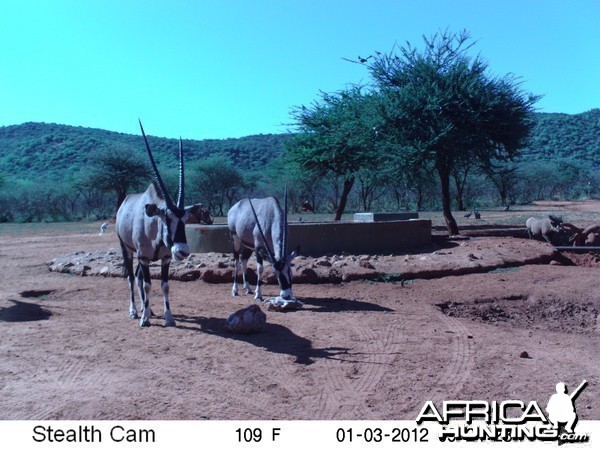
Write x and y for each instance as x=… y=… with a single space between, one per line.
x=546 y=227
x=589 y=236
x=152 y=227
x=260 y=225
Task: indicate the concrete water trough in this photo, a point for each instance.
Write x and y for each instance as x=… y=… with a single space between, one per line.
x=322 y=238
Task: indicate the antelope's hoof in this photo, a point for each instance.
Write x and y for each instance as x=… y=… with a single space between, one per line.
x=169 y=323
x=134 y=316
x=144 y=323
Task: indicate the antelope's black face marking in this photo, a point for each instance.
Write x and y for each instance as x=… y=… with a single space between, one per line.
x=283 y=271
x=174 y=236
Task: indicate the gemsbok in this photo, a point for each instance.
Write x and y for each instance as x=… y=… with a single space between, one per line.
x=151 y=227
x=260 y=225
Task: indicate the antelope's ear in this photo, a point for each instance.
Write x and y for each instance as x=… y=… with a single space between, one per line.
x=152 y=210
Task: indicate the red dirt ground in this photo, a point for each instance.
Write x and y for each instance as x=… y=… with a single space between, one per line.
x=487 y=318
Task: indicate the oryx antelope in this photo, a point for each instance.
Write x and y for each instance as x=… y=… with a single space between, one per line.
x=260 y=225
x=152 y=227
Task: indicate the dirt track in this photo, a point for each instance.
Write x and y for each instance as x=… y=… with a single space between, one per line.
x=357 y=350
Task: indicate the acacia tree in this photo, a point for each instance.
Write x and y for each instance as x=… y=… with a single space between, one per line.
x=335 y=136
x=460 y=174
x=216 y=181
x=117 y=170
x=442 y=108
x=505 y=176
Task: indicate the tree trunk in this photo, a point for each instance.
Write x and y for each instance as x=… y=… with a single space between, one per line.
x=419 y=205
x=503 y=197
x=459 y=194
x=460 y=180
x=447 y=201
x=348 y=183
x=120 y=198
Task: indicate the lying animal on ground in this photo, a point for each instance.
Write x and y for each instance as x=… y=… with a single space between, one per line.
x=573 y=234
x=579 y=237
x=151 y=227
x=546 y=227
x=260 y=225
x=591 y=235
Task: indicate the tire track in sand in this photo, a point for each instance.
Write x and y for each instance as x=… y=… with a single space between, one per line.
x=457 y=371
x=351 y=377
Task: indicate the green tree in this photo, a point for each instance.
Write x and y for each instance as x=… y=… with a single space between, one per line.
x=335 y=136
x=116 y=170
x=216 y=181
x=442 y=108
x=505 y=176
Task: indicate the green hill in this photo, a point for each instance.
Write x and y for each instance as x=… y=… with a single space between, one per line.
x=561 y=161
x=34 y=150
x=41 y=150
x=566 y=136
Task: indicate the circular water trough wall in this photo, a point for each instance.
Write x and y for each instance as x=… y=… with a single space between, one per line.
x=321 y=238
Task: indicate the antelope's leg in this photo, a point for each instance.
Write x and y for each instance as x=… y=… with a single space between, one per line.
x=259 y=271
x=164 y=285
x=128 y=265
x=143 y=279
x=236 y=268
x=246 y=253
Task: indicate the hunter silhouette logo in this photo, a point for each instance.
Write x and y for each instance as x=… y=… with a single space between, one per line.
x=561 y=407
x=508 y=420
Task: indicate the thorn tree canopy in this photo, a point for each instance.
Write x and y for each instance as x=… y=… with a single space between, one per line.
x=335 y=135
x=441 y=108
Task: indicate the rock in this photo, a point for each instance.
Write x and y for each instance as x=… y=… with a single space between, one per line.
x=305 y=275
x=323 y=263
x=248 y=320
x=525 y=355
x=366 y=264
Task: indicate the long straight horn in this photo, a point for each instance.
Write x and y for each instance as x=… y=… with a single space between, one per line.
x=285 y=222
x=262 y=235
x=180 y=195
x=161 y=183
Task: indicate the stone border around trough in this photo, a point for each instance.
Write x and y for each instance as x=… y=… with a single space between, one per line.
x=449 y=258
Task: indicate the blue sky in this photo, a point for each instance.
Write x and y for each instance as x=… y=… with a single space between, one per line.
x=230 y=68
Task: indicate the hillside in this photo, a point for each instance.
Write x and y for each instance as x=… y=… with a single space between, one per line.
x=34 y=150
x=574 y=136
x=56 y=151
